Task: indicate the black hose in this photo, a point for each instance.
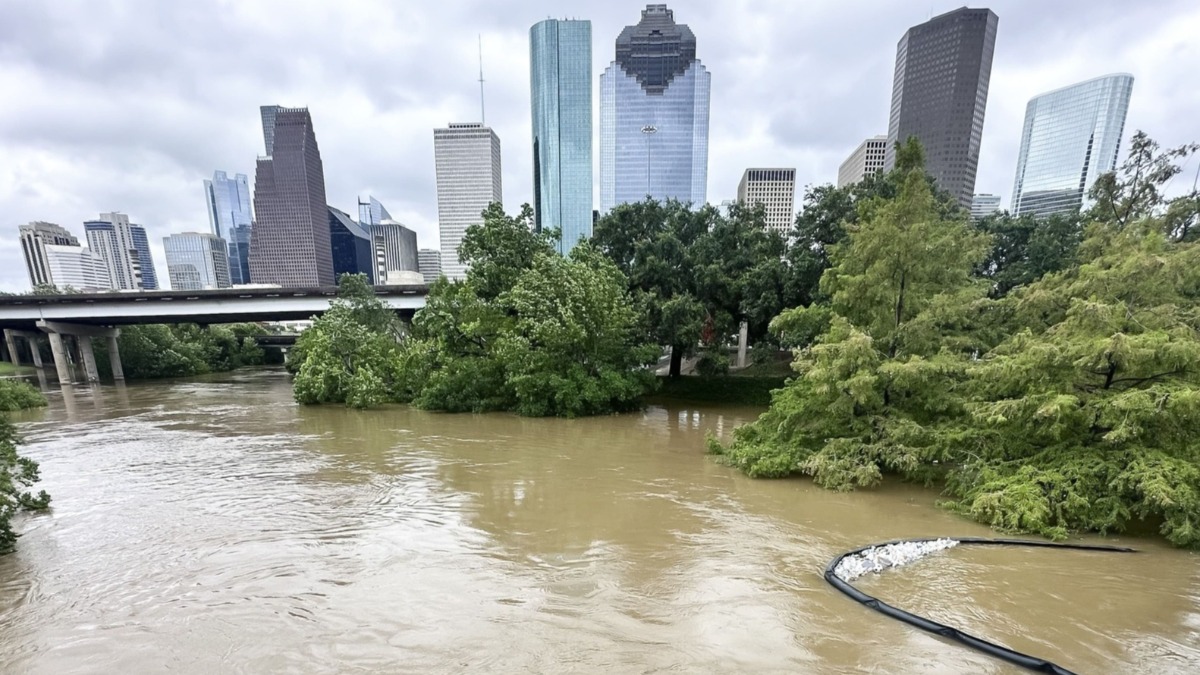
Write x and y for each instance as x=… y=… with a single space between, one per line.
x=949 y=632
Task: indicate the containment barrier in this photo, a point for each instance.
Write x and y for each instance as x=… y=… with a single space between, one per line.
x=876 y=557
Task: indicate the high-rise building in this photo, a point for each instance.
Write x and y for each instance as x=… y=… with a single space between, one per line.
x=939 y=95
x=230 y=218
x=1071 y=137
x=867 y=159
x=268 y=113
x=654 y=115
x=197 y=261
x=76 y=267
x=34 y=238
x=351 y=245
x=560 y=83
x=395 y=249
x=429 y=262
x=125 y=250
x=984 y=205
x=372 y=212
x=775 y=189
x=467 y=160
x=289 y=243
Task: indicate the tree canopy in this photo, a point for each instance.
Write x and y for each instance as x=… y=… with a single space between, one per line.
x=17 y=473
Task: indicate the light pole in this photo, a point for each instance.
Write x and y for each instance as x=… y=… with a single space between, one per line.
x=648 y=130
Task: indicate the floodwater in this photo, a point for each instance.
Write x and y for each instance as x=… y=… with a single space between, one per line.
x=213 y=526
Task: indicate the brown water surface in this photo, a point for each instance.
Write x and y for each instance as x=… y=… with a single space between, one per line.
x=212 y=526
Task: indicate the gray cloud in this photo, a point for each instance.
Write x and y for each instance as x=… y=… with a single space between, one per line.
x=128 y=105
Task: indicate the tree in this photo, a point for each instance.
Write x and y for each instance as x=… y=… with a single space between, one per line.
x=18 y=395
x=17 y=473
x=878 y=382
x=502 y=249
x=1135 y=191
x=1025 y=248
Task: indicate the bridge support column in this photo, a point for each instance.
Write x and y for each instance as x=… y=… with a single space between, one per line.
x=743 y=334
x=59 y=349
x=10 y=339
x=114 y=358
x=83 y=337
x=11 y=343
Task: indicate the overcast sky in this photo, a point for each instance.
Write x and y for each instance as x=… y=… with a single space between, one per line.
x=129 y=105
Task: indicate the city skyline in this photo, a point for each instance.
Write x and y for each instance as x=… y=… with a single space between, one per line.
x=154 y=158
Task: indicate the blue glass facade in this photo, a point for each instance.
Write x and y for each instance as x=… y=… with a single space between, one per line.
x=560 y=80
x=1071 y=137
x=654 y=106
x=230 y=218
x=142 y=243
x=350 y=245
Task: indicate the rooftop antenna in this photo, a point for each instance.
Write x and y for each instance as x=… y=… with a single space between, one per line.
x=482 y=115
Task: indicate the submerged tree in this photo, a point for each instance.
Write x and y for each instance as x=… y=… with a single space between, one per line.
x=17 y=473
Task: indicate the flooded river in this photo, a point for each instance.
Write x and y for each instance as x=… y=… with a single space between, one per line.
x=212 y=526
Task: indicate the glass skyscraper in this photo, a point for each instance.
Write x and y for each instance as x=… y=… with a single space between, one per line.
x=654 y=115
x=196 y=261
x=1071 y=136
x=939 y=95
x=351 y=246
x=230 y=218
x=125 y=250
x=560 y=82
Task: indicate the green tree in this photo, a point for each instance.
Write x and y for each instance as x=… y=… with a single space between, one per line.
x=17 y=474
x=878 y=381
x=18 y=395
x=500 y=250
x=1137 y=190
x=1024 y=249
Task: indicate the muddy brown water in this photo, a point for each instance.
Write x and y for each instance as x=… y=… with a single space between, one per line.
x=213 y=526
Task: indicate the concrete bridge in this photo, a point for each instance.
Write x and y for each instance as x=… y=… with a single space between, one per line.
x=81 y=317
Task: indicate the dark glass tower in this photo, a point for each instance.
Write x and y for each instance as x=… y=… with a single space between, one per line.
x=351 y=246
x=940 y=92
x=289 y=243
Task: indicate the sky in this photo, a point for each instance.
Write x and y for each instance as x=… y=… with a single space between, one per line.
x=128 y=105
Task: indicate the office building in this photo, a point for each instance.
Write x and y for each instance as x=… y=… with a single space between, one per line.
x=939 y=95
x=654 y=106
x=372 y=212
x=429 y=262
x=268 y=112
x=34 y=238
x=1071 y=137
x=775 y=189
x=395 y=248
x=560 y=83
x=467 y=161
x=351 y=246
x=984 y=205
x=125 y=250
x=77 y=268
x=197 y=261
x=230 y=218
x=866 y=160
x=290 y=240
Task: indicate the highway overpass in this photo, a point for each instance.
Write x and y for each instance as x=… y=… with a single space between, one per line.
x=84 y=316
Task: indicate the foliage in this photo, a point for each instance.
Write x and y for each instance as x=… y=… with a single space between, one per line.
x=180 y=350
x=1069 y=403
x=733 y=390
x=17 y=474
x=18 y=395
x=1025 y=248
x=349 y=354
x=695 y=275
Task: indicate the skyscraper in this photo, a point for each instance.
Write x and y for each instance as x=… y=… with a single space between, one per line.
x=351 y=246
x=429 y=262
x=775 y=189
x=560 y=82
x=984 y=205
x=125 y=250
x=196 y=261
x=395 y=249
x=230 y=218
x=467 y=160
x=1071 y=136
x=867 y=159
x=654 y=115
x=372 y=212
x=939 y=95
x=289 y=243
x=76 y=267
x=34 y=238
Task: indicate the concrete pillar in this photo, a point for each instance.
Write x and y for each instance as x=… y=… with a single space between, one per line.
x=89 y=358
x=59 y=349
x=37 y=353
x=743 y=338
x=114 y=359
x=11 y=343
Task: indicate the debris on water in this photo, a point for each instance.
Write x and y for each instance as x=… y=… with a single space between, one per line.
x=878 y=558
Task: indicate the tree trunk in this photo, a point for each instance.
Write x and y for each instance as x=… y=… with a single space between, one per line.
x=676 y=361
